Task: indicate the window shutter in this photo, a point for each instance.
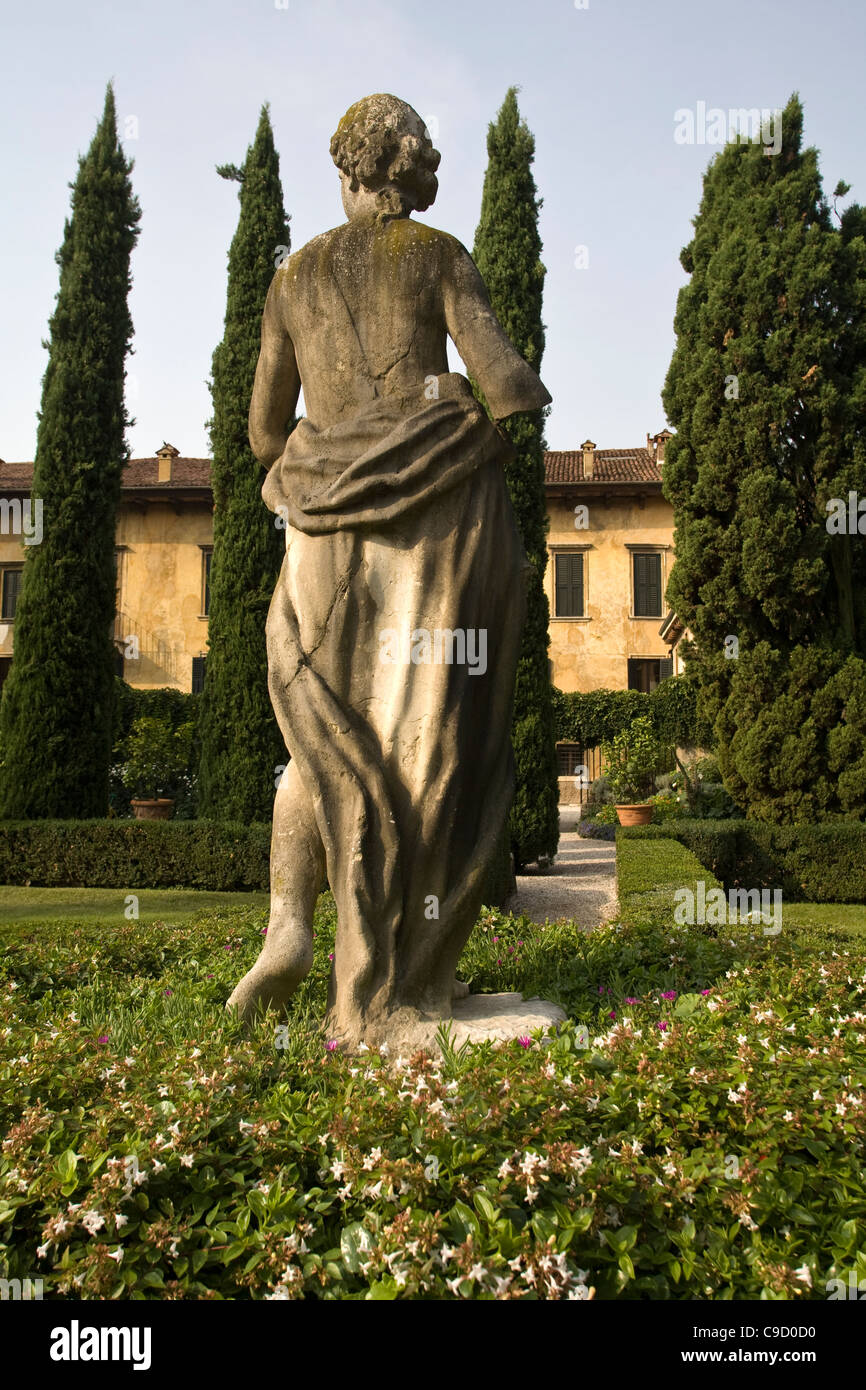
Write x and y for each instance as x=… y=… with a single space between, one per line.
x=666 y=668
x=198 y=665
x=569 y=586
x=647 y=586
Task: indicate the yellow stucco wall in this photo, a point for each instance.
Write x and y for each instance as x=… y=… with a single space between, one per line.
x=593 y=652
x=161 y=589
x=11 y=553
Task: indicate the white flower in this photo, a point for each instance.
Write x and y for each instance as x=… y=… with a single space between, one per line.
x=804 y=1274
x=120 y=1221
x=187 y=1160
x=42 y=1250
x=92 y=1221
x=116 y=1254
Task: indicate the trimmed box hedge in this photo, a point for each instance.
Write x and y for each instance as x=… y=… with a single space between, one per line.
x=649 y=874
x=823 y=863
x=218 y=855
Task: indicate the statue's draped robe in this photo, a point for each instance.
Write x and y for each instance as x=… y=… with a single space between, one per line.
x=398 y=518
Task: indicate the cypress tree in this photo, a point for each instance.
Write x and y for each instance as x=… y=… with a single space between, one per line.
x=507 y=252
x=241 y=744
x=57 y=711
x=767 y=391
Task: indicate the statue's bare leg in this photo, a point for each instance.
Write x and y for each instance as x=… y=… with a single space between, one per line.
x=297 y=877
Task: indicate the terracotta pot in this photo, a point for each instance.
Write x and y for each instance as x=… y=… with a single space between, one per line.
x=158 y=809
x=634 y=815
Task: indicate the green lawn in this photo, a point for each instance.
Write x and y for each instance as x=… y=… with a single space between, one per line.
x=108 y=906
x=849 y=917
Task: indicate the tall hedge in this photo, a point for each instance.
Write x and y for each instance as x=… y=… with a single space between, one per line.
x=57 y=711
x=241 y=744
x=596 y=716
x=507 y=252
x=767 y=392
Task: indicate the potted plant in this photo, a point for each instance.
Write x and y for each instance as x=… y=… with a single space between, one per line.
x=630 y=761
x=156 y=756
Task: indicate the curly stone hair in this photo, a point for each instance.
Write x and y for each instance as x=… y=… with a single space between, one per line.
x=382 y=144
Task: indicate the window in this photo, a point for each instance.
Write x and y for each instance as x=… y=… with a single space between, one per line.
x=206 y=557
x=11 y=587
x=568 y=575
x=198 y=665
x=647 y=571
x=569 y=757
x=645 y=673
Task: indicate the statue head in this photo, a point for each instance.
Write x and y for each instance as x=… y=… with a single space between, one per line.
x=382 y=147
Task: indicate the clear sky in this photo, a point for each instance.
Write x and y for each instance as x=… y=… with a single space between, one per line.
x=599 y=88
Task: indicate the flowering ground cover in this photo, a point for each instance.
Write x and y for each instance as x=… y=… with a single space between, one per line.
x=695 y=1132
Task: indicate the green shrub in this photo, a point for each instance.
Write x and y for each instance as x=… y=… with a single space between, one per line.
x=594 y=716
x=630 y=761
x=649 y=871
x=217 y=855
x=174 y=707
x=823 y=863
x=157 y=756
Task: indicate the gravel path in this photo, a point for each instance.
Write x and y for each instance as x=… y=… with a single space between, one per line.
x=580 y=886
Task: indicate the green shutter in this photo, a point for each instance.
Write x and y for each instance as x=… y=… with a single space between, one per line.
x=569 y=586
x=647 y=586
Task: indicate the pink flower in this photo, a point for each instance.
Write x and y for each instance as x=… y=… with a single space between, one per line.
x=264 y=931
x=331 y=1045
x=103 y=1039
x=669 y=994
x=331 y=956
x=499 y=962
x=495 y=939
x=168 y=992
x=706 y=991
x=511 y=950
x=612 y=1013
x=630 y=999
x=524 y=1041
x=662 y=1026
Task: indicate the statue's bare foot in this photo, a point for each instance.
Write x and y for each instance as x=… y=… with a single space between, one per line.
x=286 y=957
x=460 y=989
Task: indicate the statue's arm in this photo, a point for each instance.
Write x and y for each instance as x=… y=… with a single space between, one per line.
x=508 y=382
x=277 y=384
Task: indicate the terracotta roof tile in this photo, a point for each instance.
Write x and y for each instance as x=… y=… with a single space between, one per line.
x=137 y=473
x=610 y=466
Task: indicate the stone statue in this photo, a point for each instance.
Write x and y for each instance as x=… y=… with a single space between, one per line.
x=394 y=628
